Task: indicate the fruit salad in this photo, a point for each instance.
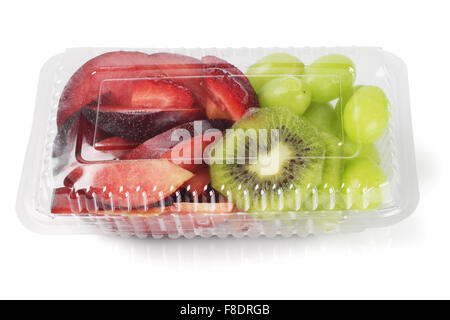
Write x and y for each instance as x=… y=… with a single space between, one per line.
x=171 y=144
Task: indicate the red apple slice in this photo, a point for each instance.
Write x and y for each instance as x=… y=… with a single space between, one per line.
x=138 y=125
x=228 y=87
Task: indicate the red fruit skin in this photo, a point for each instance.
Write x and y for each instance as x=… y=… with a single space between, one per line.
x=184 y=70
x=90 y=134
x=228 y=87
x=199 y=182
x=73 y=177
x=133 y=184
x=118 y=147
x=189 y=154
x=61 y=200
x=160 y=94
x=69 y=201
x=139 y=125
x=85 y=84
x=191 y=215
x=157 y=146
x=114 y=143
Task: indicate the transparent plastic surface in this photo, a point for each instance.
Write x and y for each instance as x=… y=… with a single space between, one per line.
x=146 y=143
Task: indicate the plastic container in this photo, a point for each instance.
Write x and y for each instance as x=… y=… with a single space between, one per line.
x=54 y=199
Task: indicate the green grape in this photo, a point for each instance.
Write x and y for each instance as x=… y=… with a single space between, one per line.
x=290 y=92
x=368 y=151
x=363 y=184
x=274 y=64
x=366 y=115
x=323 y=116
x=329 y=76
x=340 y=104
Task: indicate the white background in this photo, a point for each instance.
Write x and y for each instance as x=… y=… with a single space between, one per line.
x=408 y=260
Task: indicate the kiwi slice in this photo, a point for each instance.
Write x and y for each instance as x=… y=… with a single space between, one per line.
x=329 y=190
x=270 y=161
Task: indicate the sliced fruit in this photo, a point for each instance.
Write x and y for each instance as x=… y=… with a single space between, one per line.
x=187 y=71
x=131 y=184
x=69 y=201
x=190 y=207
x=61 y=201
x=138 y=125
x=190 y=215
x=333 y=166
x=118 y=147
x=189 y=154
x=214 y=111
x=228 y=87
x=85 y=84
x=73 y=177
x=329 y=196
x=148 y=212
x=270 y=162
x=155 y=147
x=88 y=135
x=115 y=143
x=199 y=182
x=160 y=93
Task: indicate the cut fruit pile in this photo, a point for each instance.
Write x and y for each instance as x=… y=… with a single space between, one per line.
x=161 y=134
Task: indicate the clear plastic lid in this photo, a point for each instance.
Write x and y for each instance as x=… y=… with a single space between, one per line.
x=219 y=142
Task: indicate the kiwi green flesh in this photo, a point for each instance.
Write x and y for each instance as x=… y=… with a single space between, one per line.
x=255 y=185
x=329 y=196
